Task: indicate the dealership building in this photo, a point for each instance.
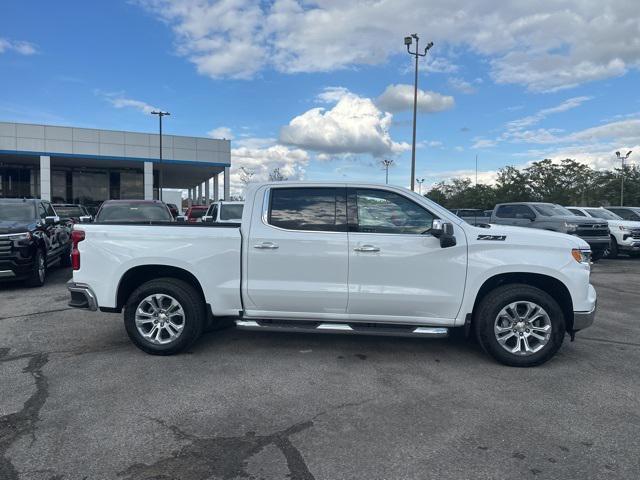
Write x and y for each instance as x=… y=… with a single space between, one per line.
x=88 y=166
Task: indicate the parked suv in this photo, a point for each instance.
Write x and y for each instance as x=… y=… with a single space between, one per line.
x=117 y=211
x=71 y=212
x=224 y=212
x=550 y=216
x=32 y=239
x=625 y=234
x=626 y=213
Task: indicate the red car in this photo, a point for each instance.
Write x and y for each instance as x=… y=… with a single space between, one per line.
x=195 y=213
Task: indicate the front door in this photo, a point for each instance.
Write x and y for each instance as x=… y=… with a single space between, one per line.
x=398 y=272
x=297 y=253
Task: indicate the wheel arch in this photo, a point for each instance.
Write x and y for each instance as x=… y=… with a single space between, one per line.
x=136 y=276
x=552 y=286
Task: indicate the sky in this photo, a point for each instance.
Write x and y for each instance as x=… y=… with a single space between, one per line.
x=323 y=90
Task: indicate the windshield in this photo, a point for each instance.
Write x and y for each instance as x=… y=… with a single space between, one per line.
x=197 y=213
x=71 y=211
x=552 y=210
x=602 y=213
x=17 y=212
x=134 y=212
x=231 y=212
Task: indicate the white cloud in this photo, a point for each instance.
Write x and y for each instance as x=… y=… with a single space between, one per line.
x=544 y=45
x=483 y=143
x=462 y=85
x=261 y=161
x=568 y=104
x=118 y=100
x=17 y=46
x=353 y=125
x=221 y=132
x=397 y=98
x=331 y=94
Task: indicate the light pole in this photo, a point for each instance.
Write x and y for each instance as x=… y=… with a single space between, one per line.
x=407 y=41
x=620 y=157
x=160 y=114
x=386 y=163
x=420 y=181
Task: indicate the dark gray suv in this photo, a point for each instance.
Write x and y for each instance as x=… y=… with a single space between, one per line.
x=550 y=216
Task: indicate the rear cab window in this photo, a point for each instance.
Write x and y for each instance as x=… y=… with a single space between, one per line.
x=134 y=212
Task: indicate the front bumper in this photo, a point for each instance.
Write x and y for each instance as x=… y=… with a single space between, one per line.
x=582 y=320
x=82 y=296
x=597 y=243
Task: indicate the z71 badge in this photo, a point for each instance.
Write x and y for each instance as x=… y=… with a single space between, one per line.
x=497 y=238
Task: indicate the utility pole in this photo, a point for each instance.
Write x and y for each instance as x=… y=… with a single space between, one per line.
x=386 y=163
x=620 y=157
x=420 y=181
x=160 y=114
x=407 y=41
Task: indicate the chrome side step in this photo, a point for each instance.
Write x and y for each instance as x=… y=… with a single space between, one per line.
x=348 y=328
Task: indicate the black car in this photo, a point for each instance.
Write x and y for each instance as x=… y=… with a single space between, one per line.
x=116 y=211
x=32 y=239
x=70 y=211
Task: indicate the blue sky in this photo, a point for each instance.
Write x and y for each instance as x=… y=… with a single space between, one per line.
x=320 y=89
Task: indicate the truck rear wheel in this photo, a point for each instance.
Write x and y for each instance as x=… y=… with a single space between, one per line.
x=164 y=316
x=520 y=325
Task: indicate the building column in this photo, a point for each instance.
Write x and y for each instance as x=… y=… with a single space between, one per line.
x=216 y=194
x=207 y=198
x=199 y=190
x=227 y=184
x=189 y=198
x=148 y=180
x=45 y=177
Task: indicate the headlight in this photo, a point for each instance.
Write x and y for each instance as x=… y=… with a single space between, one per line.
x=571 y=227
x=20 y=236
x=624 y=229
x=581 y=256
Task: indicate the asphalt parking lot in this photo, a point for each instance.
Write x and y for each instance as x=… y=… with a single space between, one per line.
x=80 y=401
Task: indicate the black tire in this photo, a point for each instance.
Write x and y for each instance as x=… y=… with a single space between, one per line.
x=38 y=275
x=65 y=259
x=597 y=255
x=613 y=248
x=487 y=313
x=190 y=301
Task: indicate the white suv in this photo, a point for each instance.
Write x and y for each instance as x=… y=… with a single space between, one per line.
x=625 y=234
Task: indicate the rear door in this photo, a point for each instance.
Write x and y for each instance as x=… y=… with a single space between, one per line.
x=297 y=252
x=398 y=272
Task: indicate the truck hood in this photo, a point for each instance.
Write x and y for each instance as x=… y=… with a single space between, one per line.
x=11 y=226
x=530 y=235
x=624 y=223
x=577 y=219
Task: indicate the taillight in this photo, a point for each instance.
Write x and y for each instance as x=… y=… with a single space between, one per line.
x=76 y=237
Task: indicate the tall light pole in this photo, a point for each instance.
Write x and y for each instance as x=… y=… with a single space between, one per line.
x=620 y=157
x=160 y=114
x=420 y=181
x=386 y=163
x=407 y=41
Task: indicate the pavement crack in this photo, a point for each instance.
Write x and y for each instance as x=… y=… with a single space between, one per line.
x=614 y=342
x=221 y=457
x=16 y=425
x=55 y=310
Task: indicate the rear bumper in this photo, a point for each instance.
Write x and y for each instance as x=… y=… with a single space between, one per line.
x=82 y=296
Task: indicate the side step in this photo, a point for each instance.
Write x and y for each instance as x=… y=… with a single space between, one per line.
x=348 y=328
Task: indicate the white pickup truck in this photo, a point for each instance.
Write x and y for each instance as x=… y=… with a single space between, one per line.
x=341 y=258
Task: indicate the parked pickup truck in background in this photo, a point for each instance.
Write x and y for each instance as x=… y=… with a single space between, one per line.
x=342 y=258
x=473 y=216
x=555 y=218
x=224 y=212
x=625 y=234
x=32 y=239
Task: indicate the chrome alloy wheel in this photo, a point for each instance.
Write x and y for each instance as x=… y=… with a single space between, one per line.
x=160 y=319
x=522 y=328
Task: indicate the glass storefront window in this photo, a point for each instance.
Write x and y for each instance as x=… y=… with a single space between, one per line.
x=90 y=188
x=17 y=182
x=131 y=185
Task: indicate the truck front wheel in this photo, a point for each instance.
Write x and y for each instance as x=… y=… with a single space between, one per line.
x=519 y=325
x=164 y=316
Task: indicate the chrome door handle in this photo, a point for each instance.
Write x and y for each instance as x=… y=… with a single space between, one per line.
x=266 y=246
x=367 y=248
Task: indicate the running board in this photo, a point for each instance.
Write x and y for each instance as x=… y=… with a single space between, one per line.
x=345 y=328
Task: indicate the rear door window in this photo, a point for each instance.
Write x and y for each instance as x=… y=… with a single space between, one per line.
x=308 y=209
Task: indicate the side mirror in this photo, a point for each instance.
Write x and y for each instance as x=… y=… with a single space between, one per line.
x=207 y=219
x=444 y=231
x=181 y=219
x=86 y=219
x=51 y=220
